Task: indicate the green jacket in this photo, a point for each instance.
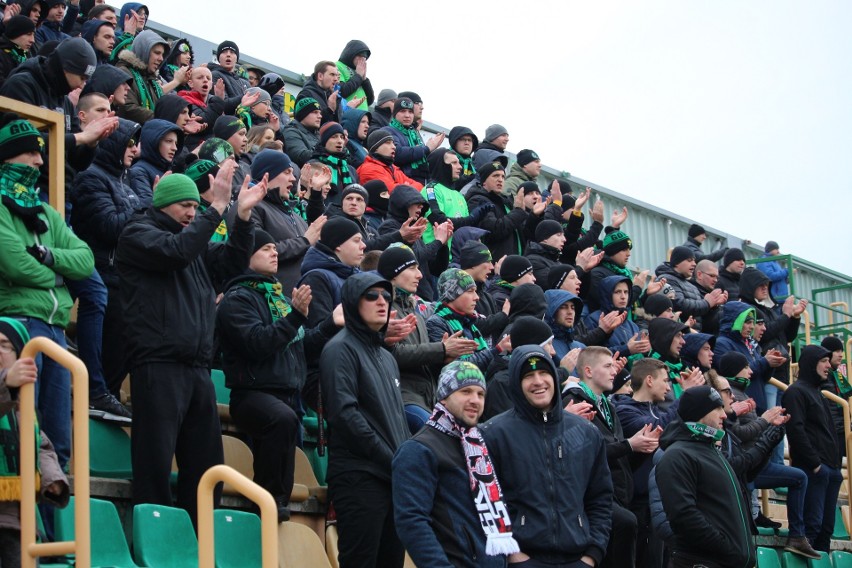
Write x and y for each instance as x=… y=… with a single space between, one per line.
x=515 y=178
x=346 y=74
x=451 y=203
x=27 y=287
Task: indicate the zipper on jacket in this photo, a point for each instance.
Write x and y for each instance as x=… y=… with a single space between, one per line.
x=523 y=520
x=580 y=520
x=736 y=486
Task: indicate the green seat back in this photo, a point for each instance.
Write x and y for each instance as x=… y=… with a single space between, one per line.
x=790 y=560
x=237 y=537
x=841 y=559
x=109 y=547
x=163 y=537
x=823 y=562
x=767 y=558
x=223 y=393
x=840 y=532
x=109 y=451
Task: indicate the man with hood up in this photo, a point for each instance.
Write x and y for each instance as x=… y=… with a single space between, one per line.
x=563 y=312
x=463 y=143
x=697 y=351
x=159 y=143
x=110 y=81
x=667 y=340
x=356 y=122
x=101 y=35
x=143 y=62
x=352 y=66
x=552 y=467
x=613 y=295
x=814 y=446
x=360 y=386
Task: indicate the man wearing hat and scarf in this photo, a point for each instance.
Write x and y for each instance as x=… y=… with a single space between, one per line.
x=475 y=259
x=354 y=205
x=443 y=476
x=168 y=270
x=233 y=130
x=379 y=163
x=527 y=167
x=15 y=45
x=301 y=135
x=225 y=70
x=703 y=500
x=688 y=300
x=733 y=264
x=696 y=237
x=463 y=143
x=265 y=349
x=514 y=271
x=411 y=150
x=331 y=151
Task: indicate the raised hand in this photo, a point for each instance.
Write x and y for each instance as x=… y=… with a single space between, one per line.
x=250 y=196
x=301 y=299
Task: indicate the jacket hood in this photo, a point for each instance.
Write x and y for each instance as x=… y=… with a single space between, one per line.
x=733 y=316
x=125 y=11
x=175 y=52
x=90 y=29
x=694 y=343
x=484 y=156
x=353 y=48
x=402 y=197
x=520 y=356
x=457 y=132
x=750 y=279
x=605 y=290
x=105 y=80
x=110 y=151
x=152 y=132
x=169 y=107
x=47 y=72
x=439 y=171
x=350 y=121
x=350 y=295
x=144 y=42
x=463 y=236
x=320 y=257
x=675 y=431
x=808 y=359
x=555 y=299
x=661 y=332
x=527 y=300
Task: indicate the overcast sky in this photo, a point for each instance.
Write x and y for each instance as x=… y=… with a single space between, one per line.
x=735 y=114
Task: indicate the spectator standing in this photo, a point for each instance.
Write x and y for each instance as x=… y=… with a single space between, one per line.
x=696 y=237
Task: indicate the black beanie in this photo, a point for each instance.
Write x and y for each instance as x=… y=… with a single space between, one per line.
x=261 y=239
x=415 y=98
x=227 y=44
x=226 y=126
x=304 y=107
x=622 y=378
x=832 y=343
x=76 y=56
x=528 y=187
x=731 y=364
x=656 y=304
x=394 y=260
x=547 y=229
x=18 y=136
x=474 y=253
x=732 y=255
x=557 y=275
x=355 y=188
x=328 y=130
x=698 y=402
x=337 y=231
x=379 y=196
x=696 y=230
x=529 y=330
x=527 y=156
x=513 y=267
x=489 y=168
x=679 y=254
x=401 y=103
x=18 y=26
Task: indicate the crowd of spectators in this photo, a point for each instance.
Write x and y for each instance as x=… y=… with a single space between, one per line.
x=500 y=384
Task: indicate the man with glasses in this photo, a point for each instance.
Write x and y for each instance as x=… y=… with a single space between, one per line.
x=704 y=278
x=360 y=386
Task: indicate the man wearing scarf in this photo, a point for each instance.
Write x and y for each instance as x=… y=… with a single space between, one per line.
x=411 y=151
x=332 y=152
x=143 y=61
x=448 y=502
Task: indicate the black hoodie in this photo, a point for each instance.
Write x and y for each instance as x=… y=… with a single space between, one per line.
x=348 y=87
x=360 y=386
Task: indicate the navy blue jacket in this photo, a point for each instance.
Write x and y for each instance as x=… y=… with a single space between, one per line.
x=563 y=338
x=731 y=340
x=621 y=335
x=325 y=274
x=151 y=163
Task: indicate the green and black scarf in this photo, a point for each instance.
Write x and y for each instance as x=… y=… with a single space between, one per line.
x=10 y=467
x=601 y=404
x=340 y=173
x=458 y=322
x=20 y=196
x=674 y=370
x=414 y=140
x=146 y=98
x=278 y=304
x=618 y=270
x=221 y=234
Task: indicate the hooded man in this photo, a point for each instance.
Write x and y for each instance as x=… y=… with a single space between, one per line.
x=538 y=440
x=110 y=81
x=143 y=62
x=463 y=143
x=443 y=475
x=613 y=296
x=159 y=143
x=366 y=421
x=101 y=35
x=667 y=340
x=357 y=124
x=697 y=351
x=563 y=314
x=379 y=163
x=837 y=383
x=352 y=66
x=617 y=247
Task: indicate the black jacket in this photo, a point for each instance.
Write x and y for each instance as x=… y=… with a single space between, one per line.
x=699 y=254
x=543 y=258
x=167 y=275
x=703 y=501
x=8 y=59
x=325 y=274
x=235 y=86
x=709 y=321
x=730 y=283
x=360 y=388
x=505 y=224
x=688 y=300
x=347 y=56
x=312 y=89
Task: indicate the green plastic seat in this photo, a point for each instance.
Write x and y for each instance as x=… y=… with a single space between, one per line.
x=163 y=537
x=767 y=558
x=223 y=393
x=109 y=451
x=237 y=536
x=840 y=532
x=823 y=562
x=109 y=547
x=319 y=463
x=790 y=560
x=841 y=559
x=766 y=531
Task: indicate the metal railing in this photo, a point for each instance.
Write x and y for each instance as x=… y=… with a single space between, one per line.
x=81 y=546
x=252 y=491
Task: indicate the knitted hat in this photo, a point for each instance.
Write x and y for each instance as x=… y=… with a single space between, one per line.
x=304 y=107
x=535 y=361
x=514 y=266
x=199 y=172
x=402 y=103
x=474 y=253
x=527 y=156
x=529 y=187
x=452 y=283
x=377 y=138
x=733 y=255
x=356 y=188
x=489 y=168
x=621 y=379
x=16 y=333
x=77 y=56
x=216 y=150
x=18 y=136
x=227 y=44
x=261 y=239
x=832 y=343
x=656 y=304
x=616 y=241
x=557 y=274
x=770 y=246
x=379 y=196
x=271 y=83
x=547 y=229
x=385 y=95
x=337 y=231
x=415 y=98
x=265 y=97
x=270 y=162
x=529 y=330
x=175 y=188
x=495 y=131
x=731 y=363
x=18 y=26
x=226 y=126
x=456 y=376
x=679 y=254
x=696 y=230
x=394 y=260
x=328 y=130
x=698 y=402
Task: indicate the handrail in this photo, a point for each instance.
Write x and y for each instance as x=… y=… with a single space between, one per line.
x=806 y=319
x=831 y=313
x=847 y=438
x=81 y=546
x=249 y=489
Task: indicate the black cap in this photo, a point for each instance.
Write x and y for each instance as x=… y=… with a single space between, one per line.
x=394 y=260
x=474 y=253
x=337 y=231
x=696 y=230
x=77 y=56
x=732 y=255
x=731 y=363
x=227 y=44
x=377 y=138
x=698 y=402
x=527 y=156
x=557 y=275
x=529 y=330
x=656 y=304
x=411 y=95
x=547 y=229
x=514 y=267
x=402 y=103
x=261 y=239
x=18 y=26
x=679 y=254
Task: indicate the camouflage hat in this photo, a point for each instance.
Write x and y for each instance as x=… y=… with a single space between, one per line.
x=215 y=150
x=456 y=376
x=454 y=282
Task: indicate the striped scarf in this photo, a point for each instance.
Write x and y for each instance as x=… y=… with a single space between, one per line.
x=221 y=234
x=145 y=97
x=414 y=140
x=458 y=322
x=601 y=404
x=674 y=370
x=10 y=467
x=276 y=301
x=341 y=175
x=468 y=168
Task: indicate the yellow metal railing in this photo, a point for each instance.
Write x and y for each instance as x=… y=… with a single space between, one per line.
x=81 y=546
x=251 y=490
x=845 y=307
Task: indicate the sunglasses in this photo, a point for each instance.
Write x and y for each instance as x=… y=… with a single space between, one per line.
x=131 y=143
x=726 y=391
x=373 y=295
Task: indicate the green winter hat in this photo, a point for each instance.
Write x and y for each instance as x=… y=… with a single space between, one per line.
x=616 y=241
x=741 y=319
x=15 y=332
x=173 y=189
x=18 y=136
x=454 y=282
x=304 y=107
x=198 y=172
x=216 y=150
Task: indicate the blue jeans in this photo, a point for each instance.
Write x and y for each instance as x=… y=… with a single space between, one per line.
x=773 y=398
x=796 y=480
x=92 y=296
x=416 y=417
x=820 y=504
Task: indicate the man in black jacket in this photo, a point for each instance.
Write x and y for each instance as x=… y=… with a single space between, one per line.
x=360 y=386
x=475 y=259
x=733 y=264
x=321 y=86
x=814 y=446
x=167 y=267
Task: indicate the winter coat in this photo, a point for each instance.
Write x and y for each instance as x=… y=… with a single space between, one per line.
x=730 y=283
x=167 y=276
x=514 y=178
x=312 y=89
x=693 y=342
x=351 y=121
x=709 y=322
x=300 y=142
x=360 y=388
x=9 y=57
x=491 y=320
x=435 y=513
x=381 y=117
x=419 y=359
x=623 y=333
x=437 y=326
x=563 y=338
x=55 y=31
x=596 y=277
x=777 y=274
x=277 y=217
x=810 y=431
x=374 y=167
x=104 y=202
x=352 y=85
x=543 y=258
x=688 y=300
x=235 y=85
x=731 y=339
x=151 y=163
x=407 y=155
x=699 y=254
x=325 y=274
x=136 y=59
x=703 y=501
x=504 y=223
x=553 y=470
